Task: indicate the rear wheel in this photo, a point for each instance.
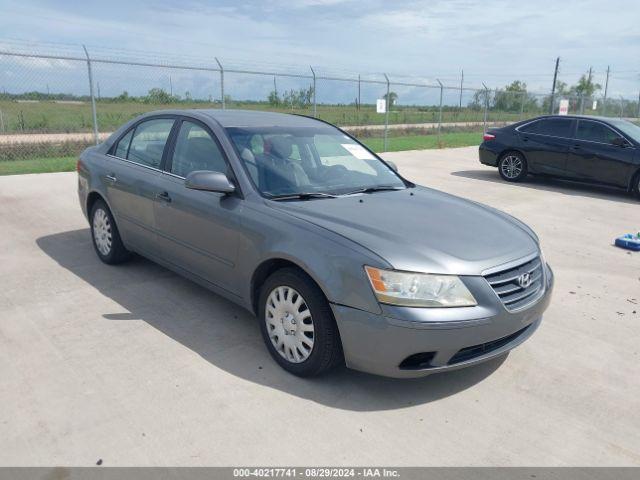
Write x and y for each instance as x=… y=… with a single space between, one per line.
x=512 y=167
x=297 y=324
x=636 y=185
x=105 y=235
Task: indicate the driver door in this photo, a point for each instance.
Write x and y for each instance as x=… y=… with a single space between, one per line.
x=197 y=230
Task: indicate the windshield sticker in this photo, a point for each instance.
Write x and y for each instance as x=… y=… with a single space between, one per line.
x=357 y=151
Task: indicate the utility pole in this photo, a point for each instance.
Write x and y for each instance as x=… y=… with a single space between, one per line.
x=386 y=114
x=553 y=87
x=606 y=88
x=461 y=82
x=315 y=107
x=588 y=87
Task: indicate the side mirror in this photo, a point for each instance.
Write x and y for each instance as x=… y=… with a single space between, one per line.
x=620 y=142
x=393 y=166
x=209 y=182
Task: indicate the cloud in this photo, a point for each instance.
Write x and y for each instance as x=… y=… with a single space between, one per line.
x=494 y=41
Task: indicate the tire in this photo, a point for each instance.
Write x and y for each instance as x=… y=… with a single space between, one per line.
x=635 y=186
x=311 y=345
x=105 y=236
x=512 y=167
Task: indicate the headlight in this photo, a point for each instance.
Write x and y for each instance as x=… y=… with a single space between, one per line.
x=419 y=289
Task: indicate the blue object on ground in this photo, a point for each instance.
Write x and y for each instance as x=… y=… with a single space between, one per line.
x=629 y=241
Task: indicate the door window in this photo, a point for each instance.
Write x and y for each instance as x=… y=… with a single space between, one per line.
x=595 y=132
x=196 y=150
x=555 y=127
x=149 y=140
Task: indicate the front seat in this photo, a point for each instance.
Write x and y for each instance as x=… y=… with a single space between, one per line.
x=281 y=174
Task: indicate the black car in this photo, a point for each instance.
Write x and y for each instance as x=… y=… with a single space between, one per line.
x=583 y=148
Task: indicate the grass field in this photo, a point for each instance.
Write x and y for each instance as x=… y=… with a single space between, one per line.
x=395 y=144
x=52 y=117
x=38 y=165
x=424 y=142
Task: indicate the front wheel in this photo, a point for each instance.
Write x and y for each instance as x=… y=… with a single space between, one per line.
x=297 y=324
x=512 y=167
x=105 y=235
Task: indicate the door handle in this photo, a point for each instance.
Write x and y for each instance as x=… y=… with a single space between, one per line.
x=576 y=147
x=111 y=177
x=164 y=196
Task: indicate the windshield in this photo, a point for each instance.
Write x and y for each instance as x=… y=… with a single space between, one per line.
x=292 y=160
x=628 y=128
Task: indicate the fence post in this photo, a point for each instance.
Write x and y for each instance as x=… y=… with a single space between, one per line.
x=523 y=99
x=1 y=122
x=486 y=108
x=581 y=104
x=621 y=106
x=440 y=110
x=315 y=107
x=93 y=98
x=221 y=82
x=638 y=104
x=386 y=114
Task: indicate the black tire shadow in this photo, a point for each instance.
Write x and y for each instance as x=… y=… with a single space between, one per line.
x=551 y=184
x=228 y=336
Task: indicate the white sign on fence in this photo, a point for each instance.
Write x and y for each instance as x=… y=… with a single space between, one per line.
x=595 y=105
x=381 y=105
x=564 y=107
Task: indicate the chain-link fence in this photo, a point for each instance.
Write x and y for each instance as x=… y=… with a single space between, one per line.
x=53 y=105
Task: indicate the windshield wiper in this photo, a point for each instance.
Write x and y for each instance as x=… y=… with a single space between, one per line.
x=302 y=196
x=376 y=188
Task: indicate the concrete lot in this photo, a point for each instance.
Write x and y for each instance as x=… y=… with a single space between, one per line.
x=137 y=366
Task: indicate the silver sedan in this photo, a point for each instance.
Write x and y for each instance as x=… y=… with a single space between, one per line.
x=341 y=258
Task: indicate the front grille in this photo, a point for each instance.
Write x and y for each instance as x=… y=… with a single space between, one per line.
x=474 y=351
x=507 y=286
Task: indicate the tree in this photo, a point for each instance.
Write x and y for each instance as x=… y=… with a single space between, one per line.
x=274 y=98
x=393 y=98
x=294 y=98
x=585 y=87
x=513 y=98
x=159 y=95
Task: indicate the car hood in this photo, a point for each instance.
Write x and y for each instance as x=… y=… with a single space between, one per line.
x=420 y=229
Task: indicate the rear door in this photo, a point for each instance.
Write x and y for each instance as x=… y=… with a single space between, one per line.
x=131 y=177
x=197 y=230
x=546 y=144
x=593 y=157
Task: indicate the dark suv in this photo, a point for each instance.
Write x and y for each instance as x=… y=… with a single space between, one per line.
x=584 y=148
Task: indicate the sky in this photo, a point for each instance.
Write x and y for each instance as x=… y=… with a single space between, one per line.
x=493 y=41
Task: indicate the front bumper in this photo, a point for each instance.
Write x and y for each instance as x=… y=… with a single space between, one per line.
x=407 y=342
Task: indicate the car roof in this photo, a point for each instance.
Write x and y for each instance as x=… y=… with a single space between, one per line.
x=246 y=118
x=583 y=117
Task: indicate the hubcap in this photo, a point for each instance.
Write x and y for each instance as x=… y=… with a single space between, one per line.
x=289 y=324
x=102 y=231
x=511 y=166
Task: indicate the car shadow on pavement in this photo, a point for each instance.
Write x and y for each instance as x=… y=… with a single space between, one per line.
x=228 y=336
x=566 y=187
